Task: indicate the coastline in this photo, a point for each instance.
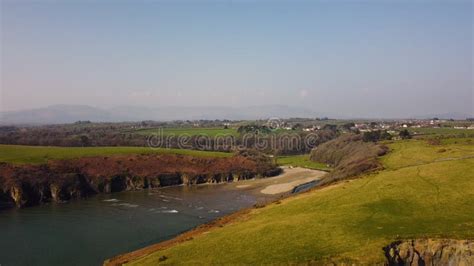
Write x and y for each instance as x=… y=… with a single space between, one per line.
x=271 y=189
x=186 y=236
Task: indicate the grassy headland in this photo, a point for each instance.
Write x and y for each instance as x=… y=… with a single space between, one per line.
x=423 y=192
x=20 y=154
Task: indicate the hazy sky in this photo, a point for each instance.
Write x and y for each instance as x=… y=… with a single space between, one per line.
x=360 y=58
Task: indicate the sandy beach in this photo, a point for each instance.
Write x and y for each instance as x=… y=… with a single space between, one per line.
x=281 y=184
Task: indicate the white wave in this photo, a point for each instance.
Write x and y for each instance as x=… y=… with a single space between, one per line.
x=111 y=200
x=169 y=211
x=169 y=197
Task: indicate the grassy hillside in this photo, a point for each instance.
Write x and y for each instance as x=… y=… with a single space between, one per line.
x=423 y=193
x=350 y=156
x=38 y=154
x=442 y=131
x=414 y=152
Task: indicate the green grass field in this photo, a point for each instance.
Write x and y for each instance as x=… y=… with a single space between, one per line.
x=442 y=131
x=37 y=154
x=417 y=152
x=422 y=193
x=211 y=132
x=301 y=161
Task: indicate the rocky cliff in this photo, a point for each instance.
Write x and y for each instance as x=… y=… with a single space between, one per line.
x=430 y=252
x=62 y=180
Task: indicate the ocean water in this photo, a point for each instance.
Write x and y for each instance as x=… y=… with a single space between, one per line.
x=88 y=231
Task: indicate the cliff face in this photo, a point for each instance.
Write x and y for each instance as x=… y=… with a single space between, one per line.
x=62 y=180
x=430 y=252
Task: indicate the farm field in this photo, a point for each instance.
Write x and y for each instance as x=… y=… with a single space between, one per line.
x=301 y=161
x=442 y=131
x=19 y=154
x=211 y=132
x=423 y=192
x=416 y=152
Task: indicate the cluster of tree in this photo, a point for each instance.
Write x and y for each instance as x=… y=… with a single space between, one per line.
x=293 y=142
x=376 y=135
x=348 y=126
x=96 y=134
x=80 y=122
x=254 y=129
x=329 y=127
x=350 y=156
x=322 y=118
x=71 y=139
x=405 y=134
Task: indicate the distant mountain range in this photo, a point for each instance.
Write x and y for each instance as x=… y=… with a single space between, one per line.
x=58 y=114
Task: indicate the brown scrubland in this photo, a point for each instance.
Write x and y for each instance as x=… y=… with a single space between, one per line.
x=60 y=180
x=349 y=155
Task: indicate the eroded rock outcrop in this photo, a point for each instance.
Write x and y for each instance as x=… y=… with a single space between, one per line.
x=62 y=180
x=430 y=252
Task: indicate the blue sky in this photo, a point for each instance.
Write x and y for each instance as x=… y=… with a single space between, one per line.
x=359 y=58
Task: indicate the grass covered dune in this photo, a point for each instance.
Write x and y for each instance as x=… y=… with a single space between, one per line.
x=426 y=191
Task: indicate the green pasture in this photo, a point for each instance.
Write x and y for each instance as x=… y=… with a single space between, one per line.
x=40 y=154
x=211 y=132
x=442 y=131
x=424 y=192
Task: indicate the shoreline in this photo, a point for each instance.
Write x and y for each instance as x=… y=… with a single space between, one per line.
x=183 y=237
x=276 y=190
